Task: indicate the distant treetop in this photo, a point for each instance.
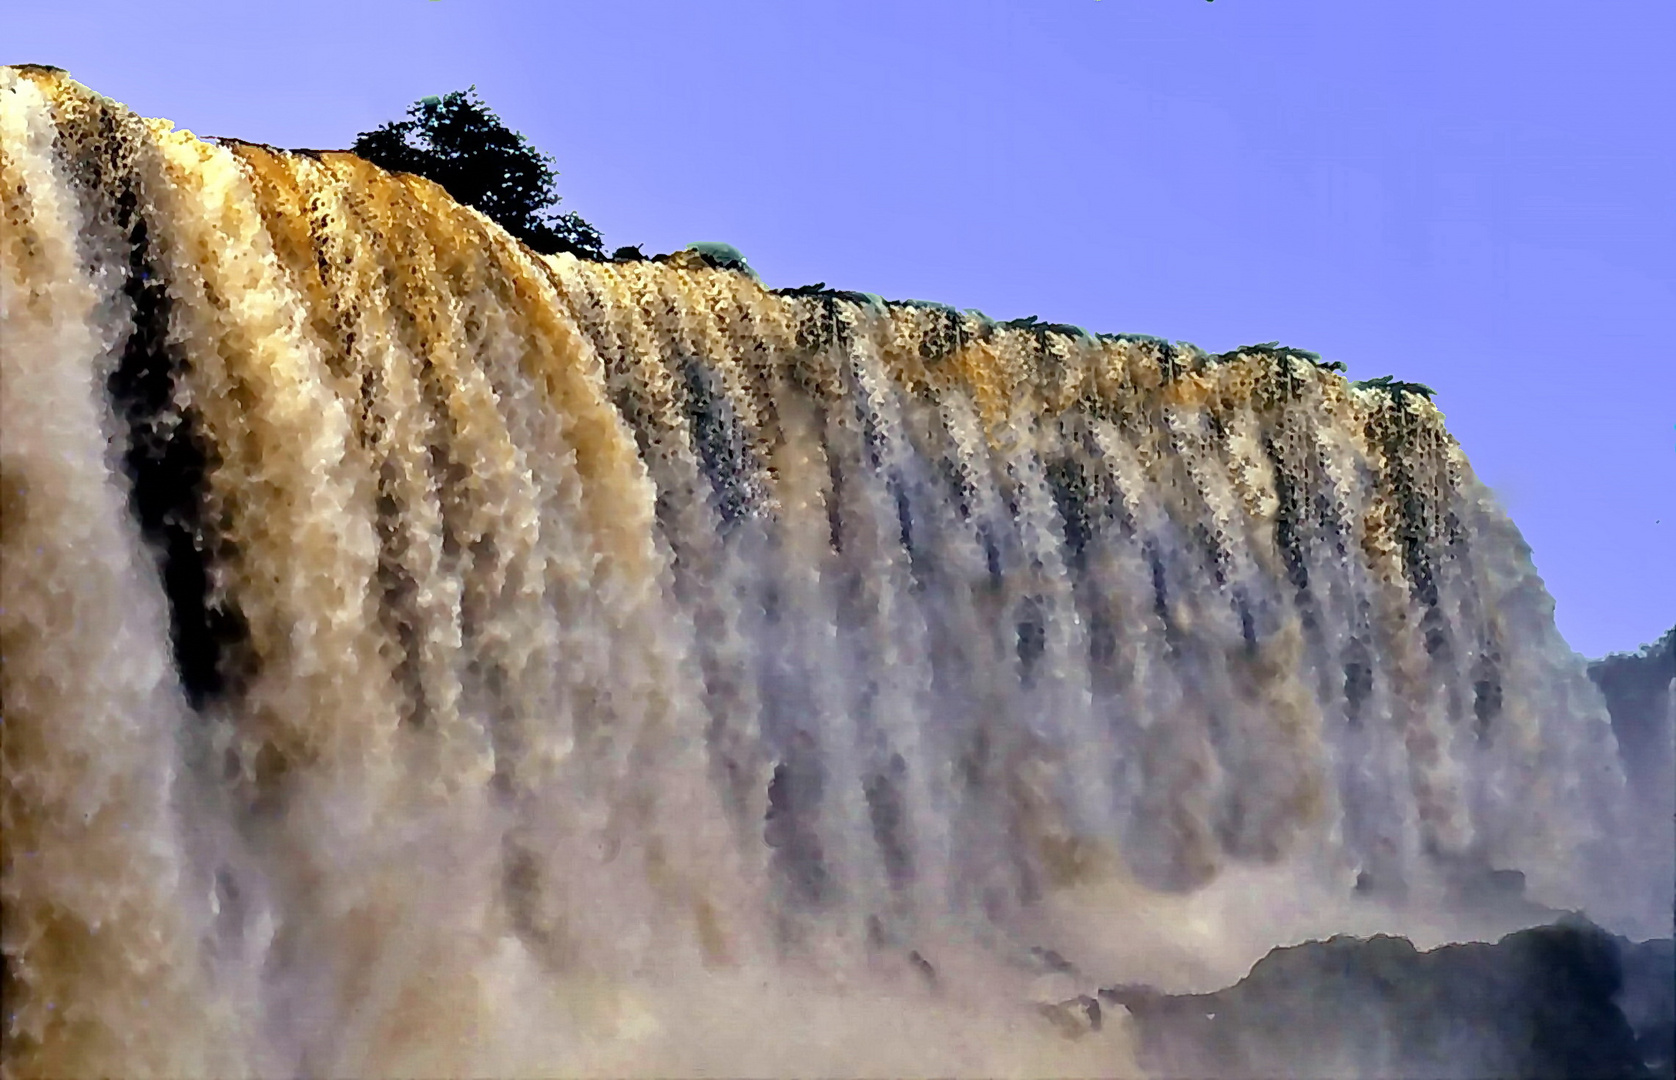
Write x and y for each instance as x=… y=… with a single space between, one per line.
x=459 y=143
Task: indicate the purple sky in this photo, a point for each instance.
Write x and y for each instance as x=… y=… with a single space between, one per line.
x=1474 y=195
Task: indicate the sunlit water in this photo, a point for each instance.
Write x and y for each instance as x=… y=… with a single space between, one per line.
x=426 y=657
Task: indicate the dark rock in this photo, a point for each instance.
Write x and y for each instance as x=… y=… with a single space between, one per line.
x=1475 y=884
x=1505 y=883
x=1638 y=687
x=1648 y=1000
x=1051 y=961
x=1074 y=1017
x=923 y=966
x=1136 y=997
x=306 y=151
x=1543 y=1002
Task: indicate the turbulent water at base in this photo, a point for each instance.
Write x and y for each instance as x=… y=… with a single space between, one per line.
x=422 y=656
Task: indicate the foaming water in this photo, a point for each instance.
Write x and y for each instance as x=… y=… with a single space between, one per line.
x=427 y=657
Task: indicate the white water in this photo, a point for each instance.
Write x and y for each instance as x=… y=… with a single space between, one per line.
x=623 y=669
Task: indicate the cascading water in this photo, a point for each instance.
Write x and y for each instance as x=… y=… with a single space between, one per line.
x=422 y=656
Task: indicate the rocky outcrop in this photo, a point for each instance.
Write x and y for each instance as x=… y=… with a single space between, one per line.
x=1640 y=692
x=1648 y=1001
x=1565 y=1000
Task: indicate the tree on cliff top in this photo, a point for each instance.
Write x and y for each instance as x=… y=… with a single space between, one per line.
x=459 y=143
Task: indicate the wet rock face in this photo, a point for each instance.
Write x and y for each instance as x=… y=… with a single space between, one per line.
x=1566 y=1000
x=1640 y=693
x=1648 y=1001
x=1639 y=689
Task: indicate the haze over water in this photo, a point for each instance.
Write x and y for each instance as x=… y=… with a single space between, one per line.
x=425 y=656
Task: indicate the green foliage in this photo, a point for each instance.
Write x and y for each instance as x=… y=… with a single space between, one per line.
x=722 y=256
x=1275 y=348
x=1041 y=329
x=1141 y=339
x=1391 y=385
x=928 y=305
x=459 y=143
x=860 y=299
x=1070 y=330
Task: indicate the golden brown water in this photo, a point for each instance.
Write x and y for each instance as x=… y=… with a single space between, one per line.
x=425 y=657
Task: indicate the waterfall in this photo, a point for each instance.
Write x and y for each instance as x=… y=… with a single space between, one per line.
x=423 y=656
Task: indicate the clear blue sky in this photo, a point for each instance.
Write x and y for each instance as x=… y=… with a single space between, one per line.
x=1475 y=195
